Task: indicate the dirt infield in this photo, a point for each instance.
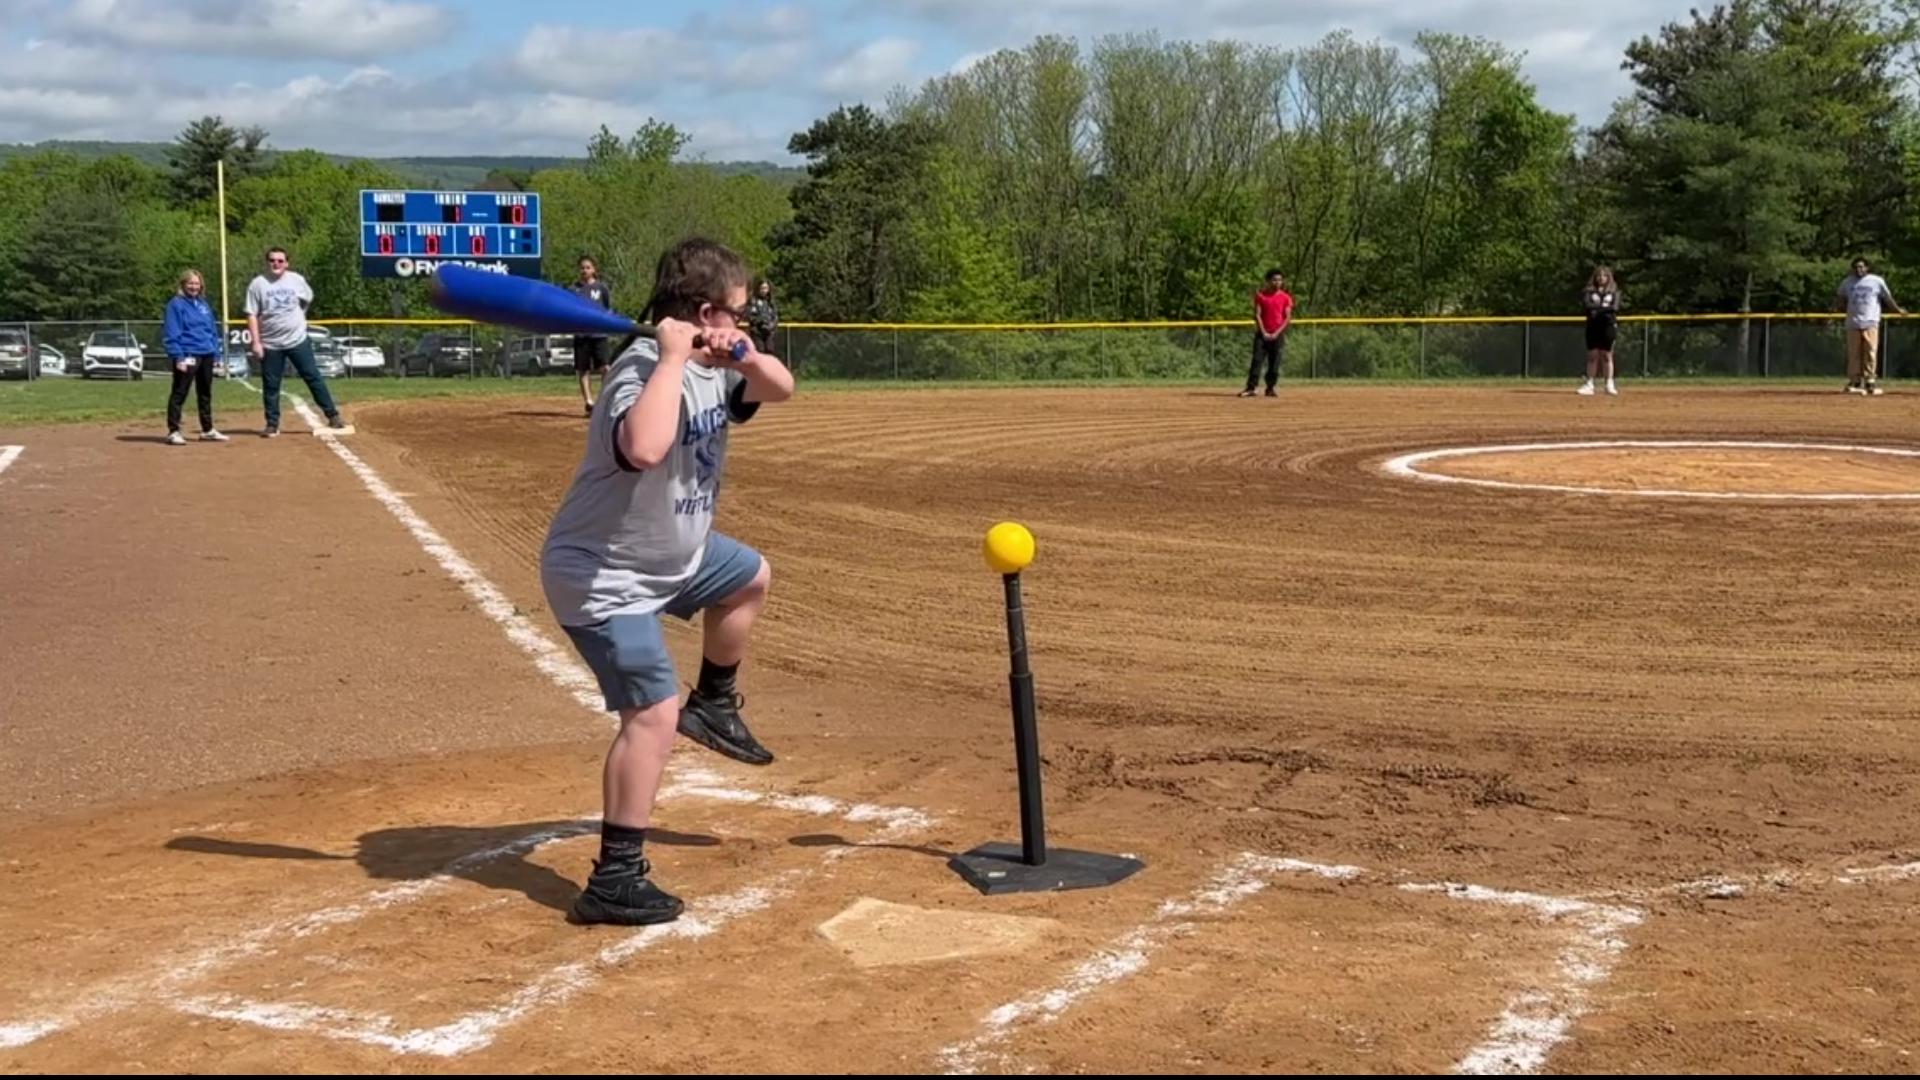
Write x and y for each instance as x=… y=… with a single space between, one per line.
x=1426 y=775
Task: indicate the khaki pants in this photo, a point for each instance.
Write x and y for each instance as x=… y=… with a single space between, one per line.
x=1863 y=354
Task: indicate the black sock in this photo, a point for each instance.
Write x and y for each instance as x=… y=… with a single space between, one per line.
x=716 y=681
x=620 y=845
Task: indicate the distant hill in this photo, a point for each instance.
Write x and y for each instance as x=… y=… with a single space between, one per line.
x=451 y=173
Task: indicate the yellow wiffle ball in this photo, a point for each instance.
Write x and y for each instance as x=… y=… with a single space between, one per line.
x=1009 y=547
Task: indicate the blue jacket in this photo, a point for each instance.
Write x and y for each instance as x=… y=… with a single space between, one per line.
x=189 y=329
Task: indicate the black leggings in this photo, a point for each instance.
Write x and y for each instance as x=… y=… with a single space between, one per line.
x=201 y=379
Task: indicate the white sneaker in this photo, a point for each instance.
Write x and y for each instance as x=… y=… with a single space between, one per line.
x=212 y=436
x=174 y=438
x=1586 y=389
x=1611 y=390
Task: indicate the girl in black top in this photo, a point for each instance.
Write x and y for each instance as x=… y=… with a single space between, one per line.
x=1601 y=298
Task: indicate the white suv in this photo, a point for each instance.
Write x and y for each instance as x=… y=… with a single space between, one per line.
x=362 y=355
x=111 y=352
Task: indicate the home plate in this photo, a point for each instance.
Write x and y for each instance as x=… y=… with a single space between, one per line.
x=875 y=933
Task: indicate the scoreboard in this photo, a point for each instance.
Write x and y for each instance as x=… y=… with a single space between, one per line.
x=411 y=233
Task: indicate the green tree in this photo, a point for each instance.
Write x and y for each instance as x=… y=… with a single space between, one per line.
x=845 y=253
x=200 y=146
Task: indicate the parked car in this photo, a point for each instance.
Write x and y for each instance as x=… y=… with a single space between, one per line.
x=52 y=360
x=235 y=363
x=111 y=352
x=327 y=356
x=362 y=356
x=439 y=353
x=536 y=354
x=15 y=355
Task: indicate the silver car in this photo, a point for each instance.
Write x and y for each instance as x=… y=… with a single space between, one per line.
x=16 y=354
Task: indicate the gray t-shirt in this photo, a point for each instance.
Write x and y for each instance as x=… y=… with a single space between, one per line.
x=1863 y=296
x=281 y=306
x=625 y=540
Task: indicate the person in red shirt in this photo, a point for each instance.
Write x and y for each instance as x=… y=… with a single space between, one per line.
x=1272 y=311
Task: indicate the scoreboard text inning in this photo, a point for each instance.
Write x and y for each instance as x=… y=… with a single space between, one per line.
x=410 y=233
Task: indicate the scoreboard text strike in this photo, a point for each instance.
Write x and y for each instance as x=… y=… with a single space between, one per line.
x=410 y=233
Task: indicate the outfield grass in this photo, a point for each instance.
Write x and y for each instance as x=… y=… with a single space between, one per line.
x=66 y=400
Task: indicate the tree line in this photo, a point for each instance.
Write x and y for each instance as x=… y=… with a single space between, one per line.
x=1763 y=145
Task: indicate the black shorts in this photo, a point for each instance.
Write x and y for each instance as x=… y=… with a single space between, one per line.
x=589 y=354
x=1601 y=333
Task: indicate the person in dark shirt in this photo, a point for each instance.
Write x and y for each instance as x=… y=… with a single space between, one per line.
x=763 y=318
x=1601 y=298
x=590 y=350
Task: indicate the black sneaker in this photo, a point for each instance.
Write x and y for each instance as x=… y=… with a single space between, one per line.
x=625 y=896
x=1248 y=392
x=717 y=725
x=272 y=432
x=336 y=422
x=1271 y=392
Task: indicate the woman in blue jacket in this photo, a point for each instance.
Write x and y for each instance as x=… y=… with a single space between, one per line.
x=192 y=340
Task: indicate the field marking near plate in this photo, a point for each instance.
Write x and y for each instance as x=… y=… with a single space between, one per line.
x=476 y=1030
x=1534 y=1021
x=1406 y=466
x=8 y=454
x=1521 y=1039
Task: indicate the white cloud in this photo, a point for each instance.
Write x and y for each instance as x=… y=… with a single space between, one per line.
x=583 y=60
x=44 y=63
x=873 y=68
x=270 y=29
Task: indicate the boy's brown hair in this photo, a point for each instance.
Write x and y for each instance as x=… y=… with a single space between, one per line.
x=692 y=272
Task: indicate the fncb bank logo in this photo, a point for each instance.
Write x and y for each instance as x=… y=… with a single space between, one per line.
x=406 y=267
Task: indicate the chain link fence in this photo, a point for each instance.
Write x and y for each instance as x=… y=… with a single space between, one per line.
x=1656 y=347
x=1338 y=349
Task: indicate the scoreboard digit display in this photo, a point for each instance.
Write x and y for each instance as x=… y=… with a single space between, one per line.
x=411 y=233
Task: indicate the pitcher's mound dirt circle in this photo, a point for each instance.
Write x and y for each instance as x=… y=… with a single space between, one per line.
x=1688 y=469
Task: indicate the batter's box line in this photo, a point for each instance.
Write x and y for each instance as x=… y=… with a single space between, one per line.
x=477 y=1030
x=1534 y=1021
x=168 y=984
x=1733 y=886
x=560 y=666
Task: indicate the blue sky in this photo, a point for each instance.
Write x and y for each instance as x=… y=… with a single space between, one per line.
x=387 y=77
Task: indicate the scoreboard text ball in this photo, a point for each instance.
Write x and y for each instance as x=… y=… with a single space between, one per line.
x=410 y=233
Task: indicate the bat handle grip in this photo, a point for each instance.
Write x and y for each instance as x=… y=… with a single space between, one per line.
x=739 y=347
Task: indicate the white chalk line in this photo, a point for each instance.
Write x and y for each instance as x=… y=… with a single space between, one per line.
x=8 y=454
x=476 y=1030
x=1406 y=465
x=1534 y=1021
x=165 y=984
x=1239 y=879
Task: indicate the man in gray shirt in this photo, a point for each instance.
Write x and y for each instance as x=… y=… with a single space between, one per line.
x=1861 y=295
x=277 y=302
